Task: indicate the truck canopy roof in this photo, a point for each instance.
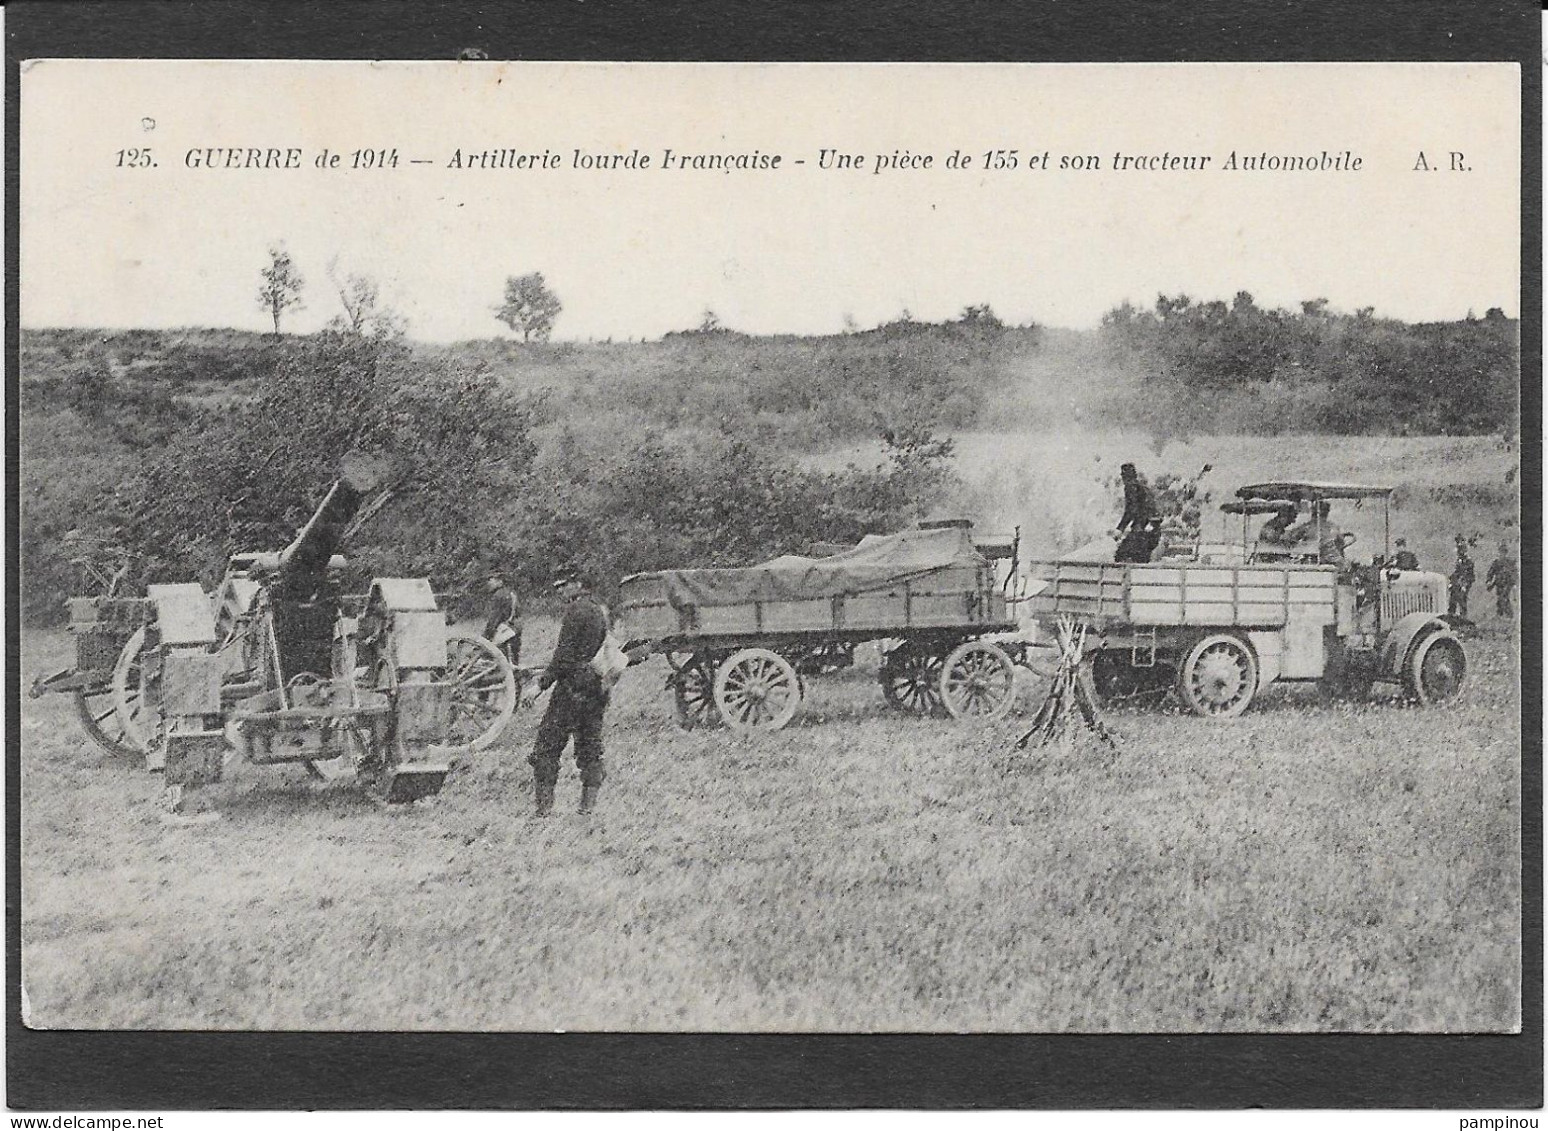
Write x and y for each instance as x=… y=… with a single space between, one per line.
x=1257 y=506
x=1303 y=489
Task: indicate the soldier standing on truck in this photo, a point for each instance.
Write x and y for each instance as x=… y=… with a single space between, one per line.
x=1462 y=576
x=1502 y=578
x=1404 y=559
x=1140 y=524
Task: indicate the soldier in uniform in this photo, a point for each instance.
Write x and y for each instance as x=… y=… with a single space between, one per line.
x=1319 y=536
x=1404 y=558
x=1141 y=523
x=578 y=702
x=1274 y=541
x=1502 y=578
x=1463 y=575
x=502 y=626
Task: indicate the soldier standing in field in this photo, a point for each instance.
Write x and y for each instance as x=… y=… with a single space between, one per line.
x=1140 y=525
x=1502 y=578
x=578 y=702
x=502 y=625
x=1463 y=575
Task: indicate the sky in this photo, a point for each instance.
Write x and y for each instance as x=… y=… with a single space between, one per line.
x=107 y=240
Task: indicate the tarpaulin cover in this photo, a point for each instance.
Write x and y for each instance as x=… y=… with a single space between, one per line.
x=878 y=561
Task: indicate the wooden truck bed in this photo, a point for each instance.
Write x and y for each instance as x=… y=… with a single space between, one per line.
x=1172 y=594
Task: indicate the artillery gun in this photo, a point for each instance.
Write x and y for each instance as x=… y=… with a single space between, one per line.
x=279 y=667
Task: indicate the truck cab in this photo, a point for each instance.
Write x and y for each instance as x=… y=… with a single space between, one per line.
x=1374 y=595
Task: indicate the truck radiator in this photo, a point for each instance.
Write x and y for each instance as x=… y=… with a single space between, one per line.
x=1398 y=603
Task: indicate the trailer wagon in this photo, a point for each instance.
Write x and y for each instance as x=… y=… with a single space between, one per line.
x=740 y=640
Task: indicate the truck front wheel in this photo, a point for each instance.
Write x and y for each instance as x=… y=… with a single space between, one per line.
x=1436 y=669
x=1218 y=677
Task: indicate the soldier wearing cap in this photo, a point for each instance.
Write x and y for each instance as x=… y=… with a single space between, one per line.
x=1140 y=525
x=1404 y=558
x=1501 y=580
x=502 y=626
x=579 y=698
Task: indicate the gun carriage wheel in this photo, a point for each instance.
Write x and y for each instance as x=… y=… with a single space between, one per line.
x=98 y=711
x=757 y=689
x=911 y=680
x=978 y=681
x=134 y=718
x=1219 y=676
x=483 y=692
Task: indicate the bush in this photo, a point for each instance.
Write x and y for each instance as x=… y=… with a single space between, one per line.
x=1218 y=368
x=248 y=477
x=706 y=501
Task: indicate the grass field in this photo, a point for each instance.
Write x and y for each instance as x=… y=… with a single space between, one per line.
x=1304 y=867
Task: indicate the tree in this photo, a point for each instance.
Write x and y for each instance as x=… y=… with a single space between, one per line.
x=282 y=285
x=364 y=313
x=529 y=307
x=981 y=318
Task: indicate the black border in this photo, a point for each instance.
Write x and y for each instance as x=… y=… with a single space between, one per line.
x=51 y=1071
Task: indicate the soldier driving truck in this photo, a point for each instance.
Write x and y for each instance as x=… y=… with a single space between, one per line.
x=1245 y=613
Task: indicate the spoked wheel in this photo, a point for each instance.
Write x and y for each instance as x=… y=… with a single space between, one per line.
x=911 y=681
x=137 y=720
x=693 y=693
x=1436 y=669
x=483 y=691
x=1219 y=676
x=99 y=718
x=757 y=689
x=978 y=681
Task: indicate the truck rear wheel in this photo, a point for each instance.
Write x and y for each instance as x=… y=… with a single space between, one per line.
x=1436 y=669
x=1218 y=677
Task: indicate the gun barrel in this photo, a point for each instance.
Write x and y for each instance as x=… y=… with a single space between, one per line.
x=317 y=541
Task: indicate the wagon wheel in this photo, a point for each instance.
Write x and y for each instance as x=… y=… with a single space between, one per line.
x=99 y=717
x=137 y=720
x=1218 y=677
x=757 y=689
x=911 y=680
x=483 y=691
x=1436 y=669
x=978 y=681
x=693 y=693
